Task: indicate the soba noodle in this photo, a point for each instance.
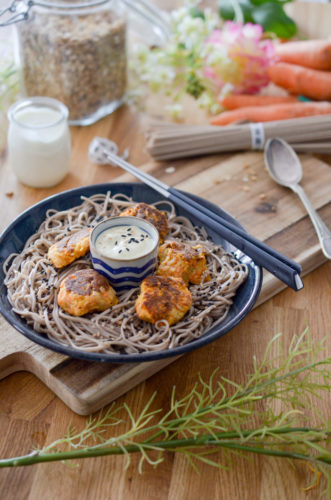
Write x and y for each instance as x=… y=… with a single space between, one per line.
x=32 y=284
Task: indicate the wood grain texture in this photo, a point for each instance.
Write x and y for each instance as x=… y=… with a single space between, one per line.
x=240 y=184
x=30 y=412
x=32 y=415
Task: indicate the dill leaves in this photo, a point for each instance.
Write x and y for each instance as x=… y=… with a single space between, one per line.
x=219 y=414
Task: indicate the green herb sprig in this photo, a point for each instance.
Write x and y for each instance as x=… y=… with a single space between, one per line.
x=219 y=414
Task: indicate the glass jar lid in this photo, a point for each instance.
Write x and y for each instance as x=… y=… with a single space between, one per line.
x=144 y=18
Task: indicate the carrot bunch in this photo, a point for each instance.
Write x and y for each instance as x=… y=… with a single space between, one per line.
x=303 y=68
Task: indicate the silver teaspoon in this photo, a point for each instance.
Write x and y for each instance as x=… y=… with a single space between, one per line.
x=285 y=168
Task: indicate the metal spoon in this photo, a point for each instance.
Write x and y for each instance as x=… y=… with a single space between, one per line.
x=285 y=168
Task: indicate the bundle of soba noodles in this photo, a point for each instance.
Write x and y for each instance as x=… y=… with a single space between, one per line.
x=168 y=141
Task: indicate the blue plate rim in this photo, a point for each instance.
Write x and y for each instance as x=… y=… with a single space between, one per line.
x=40 y=339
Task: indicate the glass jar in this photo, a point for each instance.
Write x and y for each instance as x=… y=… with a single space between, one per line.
x=39 y=141
x=75 y=52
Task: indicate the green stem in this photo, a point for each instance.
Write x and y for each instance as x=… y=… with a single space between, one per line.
x=274 y=381
x=277 y=453
x=238 y=13
x=172 y=445
x=281 y=430
x=173 y=423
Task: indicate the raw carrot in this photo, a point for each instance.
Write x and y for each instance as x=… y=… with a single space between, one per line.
x=242 y=100
x=311 y=83
x=273 y=112
x=314 y=54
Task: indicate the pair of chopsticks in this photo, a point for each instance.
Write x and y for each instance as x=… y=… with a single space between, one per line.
x=102 y=151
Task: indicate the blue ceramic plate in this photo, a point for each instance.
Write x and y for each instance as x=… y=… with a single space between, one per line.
x=14 y=237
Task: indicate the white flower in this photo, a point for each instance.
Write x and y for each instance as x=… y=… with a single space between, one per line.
x=226 y=89
x=178 y=15
x=215 y=54
x=191 y=31
x=140 y=52
x=166 y=74
x=175 y=111
x=215 y=108
x=205 y=101
x=212 y=20
x=157 y=76
x=172 y=47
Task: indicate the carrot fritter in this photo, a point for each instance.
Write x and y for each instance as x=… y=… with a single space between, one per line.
x=157 y=217
x=85 y=291
x=181 y=260
x=70 y=248
x=163 y=298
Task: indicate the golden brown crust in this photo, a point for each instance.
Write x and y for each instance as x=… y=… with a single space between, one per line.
x=85 y=282
x=163 y=298
x=157 y=217
x=70 y=248
x=181 y=260
x=85 y=291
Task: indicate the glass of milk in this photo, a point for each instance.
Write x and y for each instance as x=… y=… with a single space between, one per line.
x=39 y=141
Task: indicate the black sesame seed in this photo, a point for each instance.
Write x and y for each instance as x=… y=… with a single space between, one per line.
x=120 y=251
x=123 y=235
x=127 y=250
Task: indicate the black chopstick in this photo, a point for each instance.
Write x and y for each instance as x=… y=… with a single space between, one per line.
x=285 y=272
x=280 y=266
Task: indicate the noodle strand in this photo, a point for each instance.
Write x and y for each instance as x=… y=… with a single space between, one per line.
x=32 y=284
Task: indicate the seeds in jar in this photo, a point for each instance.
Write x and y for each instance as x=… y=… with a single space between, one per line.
x=75 y=58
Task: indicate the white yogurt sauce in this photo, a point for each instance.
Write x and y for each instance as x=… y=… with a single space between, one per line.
x=124 y=242
x=38 y=143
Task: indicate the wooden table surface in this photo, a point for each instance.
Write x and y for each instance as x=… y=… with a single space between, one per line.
x=31 y=414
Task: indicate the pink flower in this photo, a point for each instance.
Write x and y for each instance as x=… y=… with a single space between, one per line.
x=238 y=55
x=254 y=31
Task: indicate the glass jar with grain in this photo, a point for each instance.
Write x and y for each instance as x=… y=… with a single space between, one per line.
x=75 y=52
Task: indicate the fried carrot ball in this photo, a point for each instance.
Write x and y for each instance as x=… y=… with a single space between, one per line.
x=70 y=248
x=163 y=298
x=180 y=260
x=157 y=217
x=85 y=291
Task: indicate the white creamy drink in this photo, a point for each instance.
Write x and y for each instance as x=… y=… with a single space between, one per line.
x=124 y=242
x=39 y=142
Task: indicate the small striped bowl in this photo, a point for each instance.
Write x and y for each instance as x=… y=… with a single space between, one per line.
x=124 y=273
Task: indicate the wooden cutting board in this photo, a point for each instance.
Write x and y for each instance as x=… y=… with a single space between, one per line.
x=239 y=184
